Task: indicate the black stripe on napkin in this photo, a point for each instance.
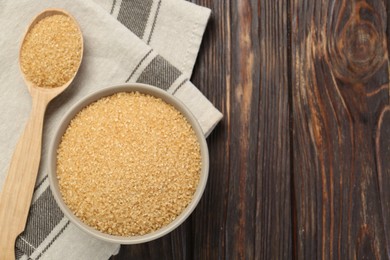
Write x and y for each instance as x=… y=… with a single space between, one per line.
x=134 y=14
x=180 y=85
x=159 y=73
x=154 y=21
x=40 y=183
x=44 y=216
x=113 y=6
x=18 y=253
x=139 y=64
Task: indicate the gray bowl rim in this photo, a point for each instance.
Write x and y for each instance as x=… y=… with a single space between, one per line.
x=107 y=91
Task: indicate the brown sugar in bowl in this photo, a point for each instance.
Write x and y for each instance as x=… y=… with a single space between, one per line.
x=137 y=193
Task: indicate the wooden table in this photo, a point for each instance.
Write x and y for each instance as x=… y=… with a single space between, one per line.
x=300 y=164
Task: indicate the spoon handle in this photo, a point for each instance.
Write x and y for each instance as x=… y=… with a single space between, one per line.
x=19 y=185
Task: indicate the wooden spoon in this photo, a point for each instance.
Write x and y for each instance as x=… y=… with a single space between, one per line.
x=19 y=185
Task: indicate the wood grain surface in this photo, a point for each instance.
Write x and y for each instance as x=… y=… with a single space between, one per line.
x=299 y=166
x=339 y=88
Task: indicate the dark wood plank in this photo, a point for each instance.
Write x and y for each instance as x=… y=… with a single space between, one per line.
x=273 y=200
x=387 y=3
x=382 y=139
x=212 y=77
x=340 y=89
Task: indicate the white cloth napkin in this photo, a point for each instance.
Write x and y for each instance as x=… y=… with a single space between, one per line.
x=173 y=28
x=116 y=36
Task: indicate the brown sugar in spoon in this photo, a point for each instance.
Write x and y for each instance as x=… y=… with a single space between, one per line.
x=50 y=56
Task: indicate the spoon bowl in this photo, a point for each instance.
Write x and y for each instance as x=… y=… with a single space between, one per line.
x=31 y=85
x=19 y=185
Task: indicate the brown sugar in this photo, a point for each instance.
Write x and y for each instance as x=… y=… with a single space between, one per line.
x=51 y=52
x=128 y=164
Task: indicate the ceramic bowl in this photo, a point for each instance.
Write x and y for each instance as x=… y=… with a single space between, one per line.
x=146 y=89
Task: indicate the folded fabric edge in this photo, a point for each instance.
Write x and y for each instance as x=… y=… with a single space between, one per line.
x=205 y=112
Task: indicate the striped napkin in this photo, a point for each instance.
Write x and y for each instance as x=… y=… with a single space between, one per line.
x=148 y=41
